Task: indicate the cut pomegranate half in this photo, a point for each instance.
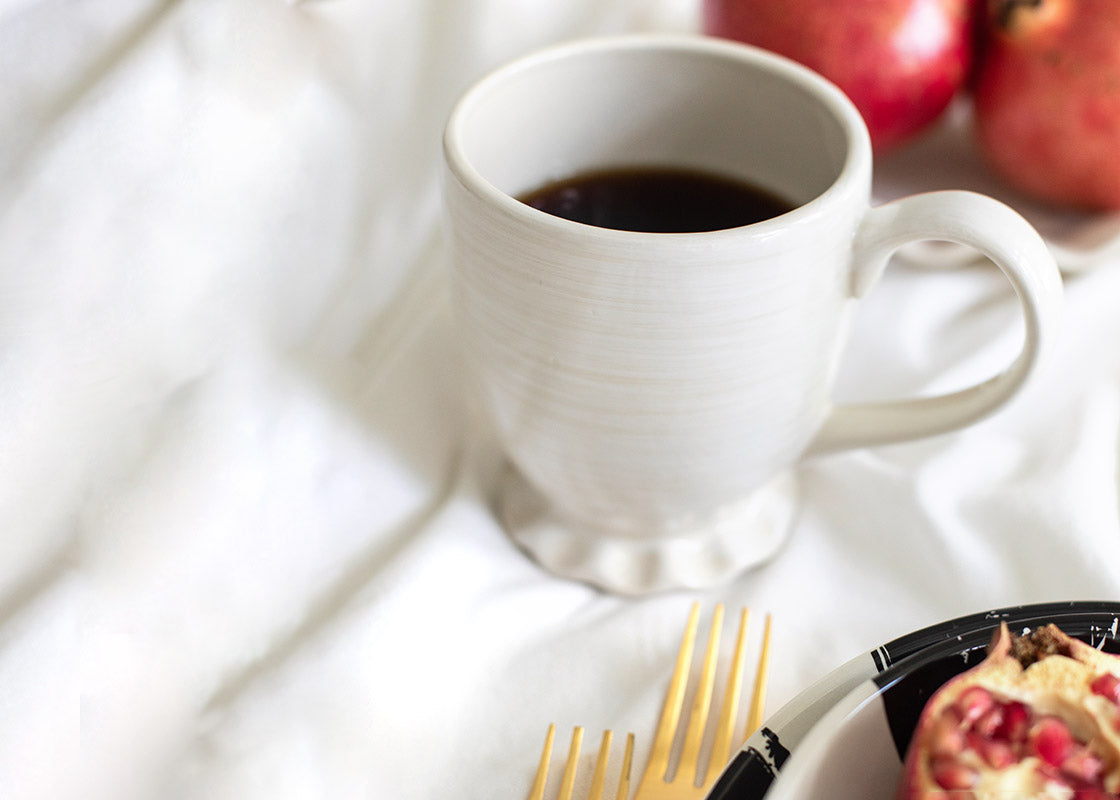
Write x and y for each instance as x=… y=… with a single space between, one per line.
x=1038 y=718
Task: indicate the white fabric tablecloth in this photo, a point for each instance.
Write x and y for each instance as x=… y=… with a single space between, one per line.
x=247 y=549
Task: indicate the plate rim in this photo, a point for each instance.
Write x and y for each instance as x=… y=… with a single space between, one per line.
x=764 y=754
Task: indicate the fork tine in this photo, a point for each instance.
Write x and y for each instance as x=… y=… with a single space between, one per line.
x=627 y=760
x=729 y=710
x=569 y=779
x=691 y=779
x=667 y=726
x=698 y=716
x=537 y=792
x=600 y=775
x=571 y=767
x=758 y=698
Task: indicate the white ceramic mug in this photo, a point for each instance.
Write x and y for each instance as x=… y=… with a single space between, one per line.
x=654 y=391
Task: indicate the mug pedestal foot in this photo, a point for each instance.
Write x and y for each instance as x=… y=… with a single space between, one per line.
x=735 y=538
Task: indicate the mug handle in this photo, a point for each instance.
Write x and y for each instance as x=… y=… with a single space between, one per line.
x=1007 y=239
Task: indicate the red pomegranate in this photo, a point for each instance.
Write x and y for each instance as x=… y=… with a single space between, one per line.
x=899 y=61
x=1047 y=99
x=1038 y=718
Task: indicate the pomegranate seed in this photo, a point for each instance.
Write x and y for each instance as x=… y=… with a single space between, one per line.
x=974 y=702
x=988 y=725
x=1083 y=765
x=950 y=774
x=1052 y=741
x=946 y=739
x=952 y=715
x=996 y=754
x=1107 y=686
x=1013 y=726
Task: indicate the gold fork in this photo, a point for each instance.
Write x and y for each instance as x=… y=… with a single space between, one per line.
x=691 y=780
x=598 y=778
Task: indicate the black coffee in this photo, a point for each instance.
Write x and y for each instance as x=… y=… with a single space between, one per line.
x=657 y=200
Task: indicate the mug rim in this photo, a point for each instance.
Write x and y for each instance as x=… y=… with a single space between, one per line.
x=857 y=158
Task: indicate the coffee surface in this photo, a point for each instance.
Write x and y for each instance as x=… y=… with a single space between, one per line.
x=657 y=200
